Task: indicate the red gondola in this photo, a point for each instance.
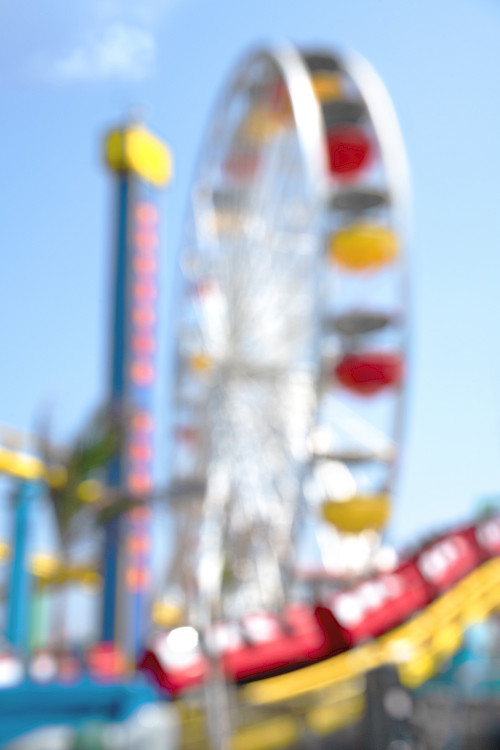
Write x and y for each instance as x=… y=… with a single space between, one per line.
x=369 y=373
x=349 y=151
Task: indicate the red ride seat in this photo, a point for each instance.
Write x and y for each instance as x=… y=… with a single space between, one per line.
x=448 y=559
x=379 y=604
x=261 y=645
x=303 y=635
x=175 y=667
x=487 y=536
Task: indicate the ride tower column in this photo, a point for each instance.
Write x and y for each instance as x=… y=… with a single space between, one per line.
x=17 y=631
x=141 y=164
x=28 y=473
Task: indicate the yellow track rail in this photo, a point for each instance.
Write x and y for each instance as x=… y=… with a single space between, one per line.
x=417 y=647
x=329 y=695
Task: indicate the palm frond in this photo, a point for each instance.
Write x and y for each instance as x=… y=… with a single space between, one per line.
x=106 y=513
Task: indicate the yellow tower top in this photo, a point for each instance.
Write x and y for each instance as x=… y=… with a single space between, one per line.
x=135 y=149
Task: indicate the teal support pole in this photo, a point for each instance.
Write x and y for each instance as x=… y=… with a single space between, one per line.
x=20 y=577
x=39 y=618
x=118 y=360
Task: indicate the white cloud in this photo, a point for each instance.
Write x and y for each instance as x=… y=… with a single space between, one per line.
x=145 y=12
x=119 y=51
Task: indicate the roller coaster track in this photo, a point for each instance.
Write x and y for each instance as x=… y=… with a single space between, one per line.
x=326 y=696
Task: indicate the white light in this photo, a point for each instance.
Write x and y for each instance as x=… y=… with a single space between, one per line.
x=386 y=559
x=224 y=636
x=11 y=671
x=43 y=668
x=372 y=593
x=261 y=628
x=348 y=609
x=182 y=639
x=402 y=650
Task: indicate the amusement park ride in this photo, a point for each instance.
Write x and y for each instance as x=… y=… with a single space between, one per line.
x=287 y=415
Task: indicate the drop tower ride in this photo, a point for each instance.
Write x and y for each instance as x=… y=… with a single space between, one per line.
x=141 y=164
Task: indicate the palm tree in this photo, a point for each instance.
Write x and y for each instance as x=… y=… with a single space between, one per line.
x=76 y=482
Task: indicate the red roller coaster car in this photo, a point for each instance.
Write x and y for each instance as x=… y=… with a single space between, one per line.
x=263 y=644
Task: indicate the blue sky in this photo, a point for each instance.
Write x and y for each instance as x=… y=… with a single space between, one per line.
x=68 y=71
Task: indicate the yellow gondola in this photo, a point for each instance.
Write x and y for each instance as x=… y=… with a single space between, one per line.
x=166 y=614
x=360 y=513
x=260 y=125
x=364 y=247
x=327 y=87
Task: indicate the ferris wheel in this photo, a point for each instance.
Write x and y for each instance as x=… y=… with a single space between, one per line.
x=290 y=353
